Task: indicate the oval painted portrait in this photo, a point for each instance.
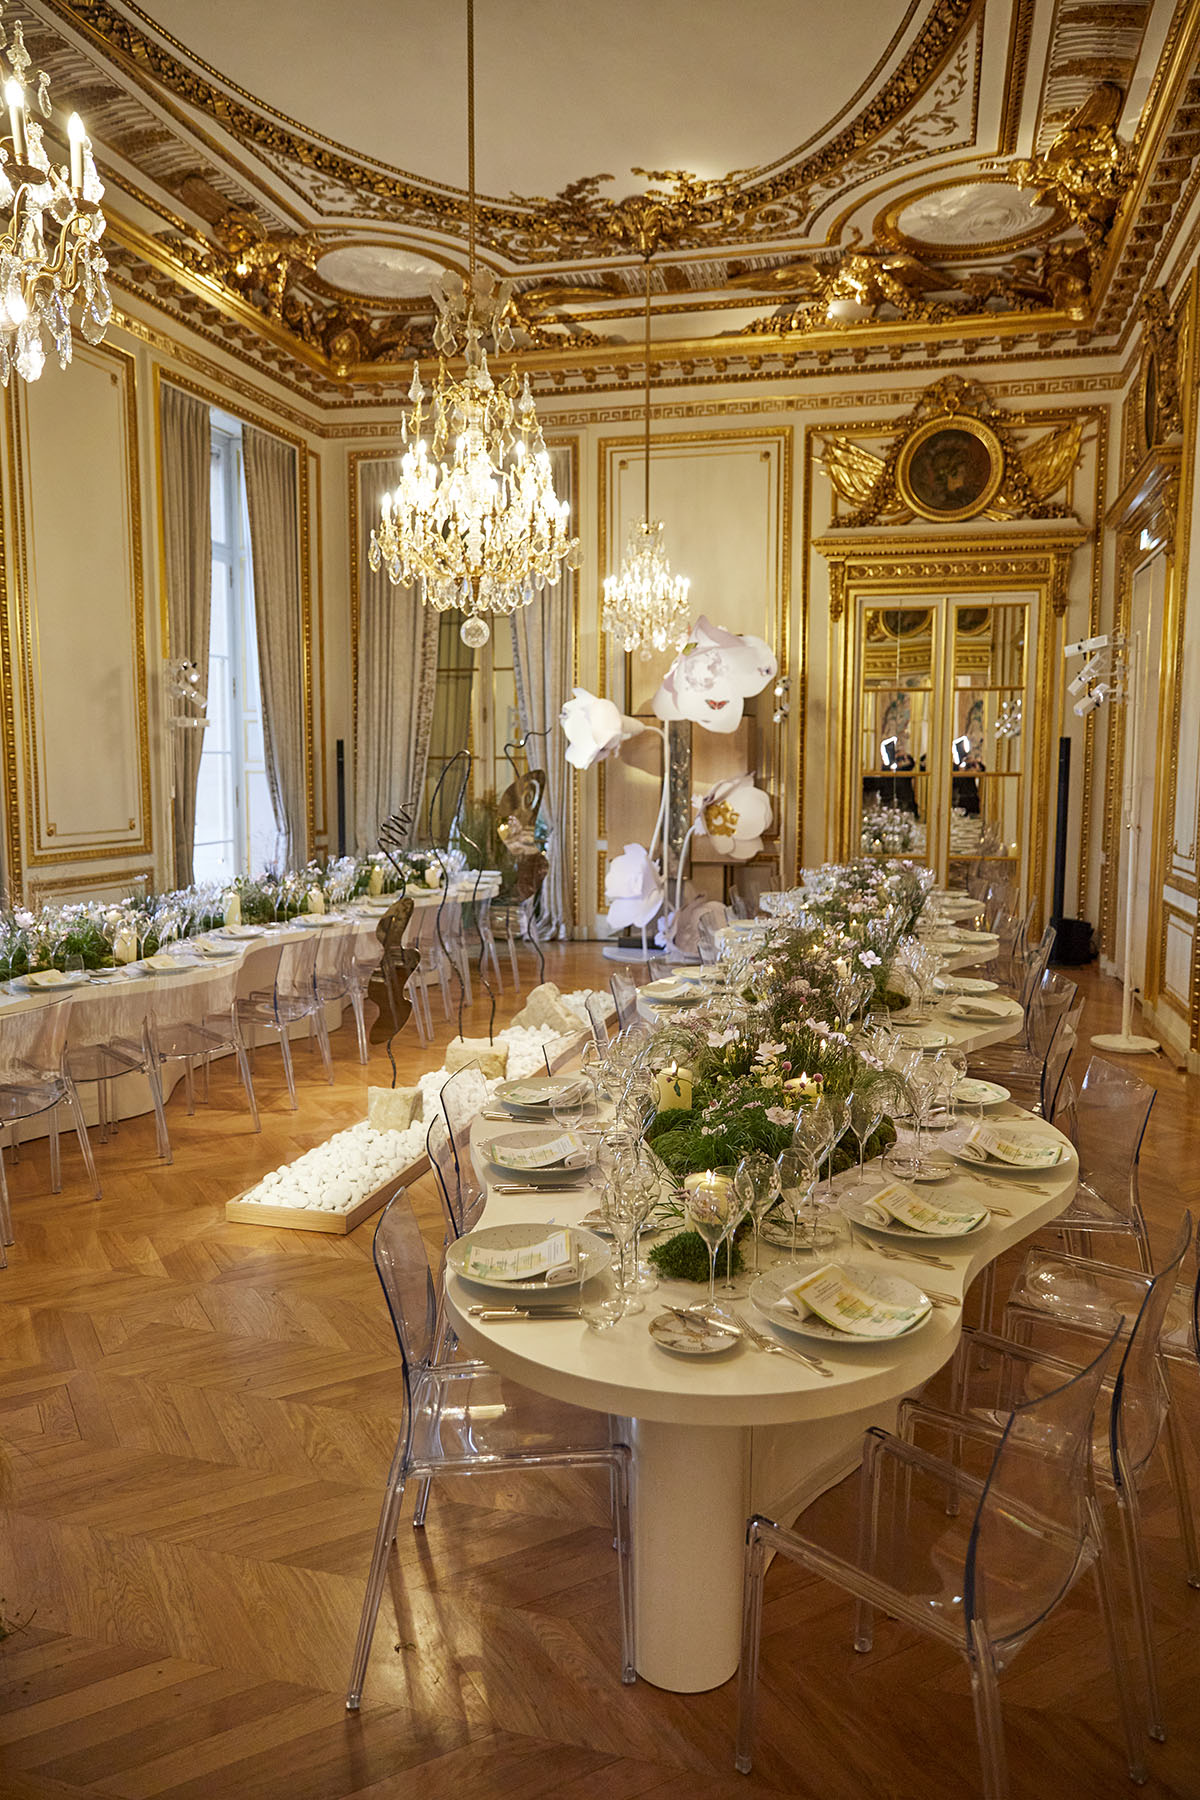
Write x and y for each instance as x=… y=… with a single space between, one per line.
x=950 y=469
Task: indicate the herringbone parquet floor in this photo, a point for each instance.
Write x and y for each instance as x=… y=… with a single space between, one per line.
x=195 y=1423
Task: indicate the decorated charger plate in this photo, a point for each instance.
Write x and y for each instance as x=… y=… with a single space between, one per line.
x=537 y=1093
x=965 y=984
x=317 y=919
x=855 y=1208
x=962 y=936
x=52 y=981
x=504 y=1167
x=693 y=1336
x=673 y=991
x=594 y=1257
x=972 y=1092
x=975 y=1158
x=243 y=931
x=766 y=1294
x=162 y=964
x=968 y=1008
x=216 y=952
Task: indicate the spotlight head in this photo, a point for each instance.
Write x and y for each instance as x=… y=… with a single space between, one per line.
x=1090 y=703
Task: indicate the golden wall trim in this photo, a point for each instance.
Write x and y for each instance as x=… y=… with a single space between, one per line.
x=13 y=869
x=38 y=850
x=45 y=886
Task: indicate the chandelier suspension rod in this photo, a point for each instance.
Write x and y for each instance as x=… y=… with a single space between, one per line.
x=647 y=488
x=471 y=136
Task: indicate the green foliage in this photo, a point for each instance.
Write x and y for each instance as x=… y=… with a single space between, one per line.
x=684 y=1257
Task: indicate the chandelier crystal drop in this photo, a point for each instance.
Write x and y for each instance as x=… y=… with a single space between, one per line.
x=474 y=522
x=645 y=605
x=50 y=253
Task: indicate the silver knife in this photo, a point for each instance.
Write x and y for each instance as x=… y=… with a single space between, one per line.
x=490 y=1313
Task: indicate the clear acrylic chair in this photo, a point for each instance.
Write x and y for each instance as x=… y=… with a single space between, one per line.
x=192 y=1024
x=461 y=1190
x=598 y=1016
x=1106 y=1119
x=462 y=1095
x=107 y=1038
x=624 y=992
x=288 y=998
x=34 y=1079
x=1060 y=1307
x=974 y=1546
x=460 y=1418
x=336 y=980
x=488 y=958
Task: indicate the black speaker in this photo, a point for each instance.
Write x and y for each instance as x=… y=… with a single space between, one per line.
x=340 y=761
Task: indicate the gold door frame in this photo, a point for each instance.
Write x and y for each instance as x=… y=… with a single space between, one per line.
x=873 y=569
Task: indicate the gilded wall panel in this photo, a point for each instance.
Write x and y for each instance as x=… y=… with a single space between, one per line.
x=76 y=593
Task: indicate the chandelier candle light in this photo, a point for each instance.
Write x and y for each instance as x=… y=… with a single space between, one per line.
x=475 y=522
x=50 y=247
x=644 y=604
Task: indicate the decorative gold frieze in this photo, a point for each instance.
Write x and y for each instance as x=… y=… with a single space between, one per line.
x=953 y=458
x=1087 y=168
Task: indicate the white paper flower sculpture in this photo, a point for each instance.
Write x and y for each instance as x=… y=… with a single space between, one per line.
x=595 y=728
x=713 y=676
x=633 y=888
x=733 y=816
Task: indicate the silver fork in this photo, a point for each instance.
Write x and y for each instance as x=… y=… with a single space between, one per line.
x=920 y=1256
x=773 y=1347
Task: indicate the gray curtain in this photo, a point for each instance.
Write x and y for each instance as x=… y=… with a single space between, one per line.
x=397 y=677
x=542 y=642
x=271 y=493
x=187 y=542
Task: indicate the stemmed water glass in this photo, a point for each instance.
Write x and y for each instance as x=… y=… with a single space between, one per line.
x=708 y=1208
x=814 y=1131
x=796 y=1176
x=618 y=1211
x=756 y=1186
x=839 y=1113
x=866 y=1112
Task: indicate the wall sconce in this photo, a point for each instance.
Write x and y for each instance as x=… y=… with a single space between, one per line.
x=781 y=692
x=181 y=680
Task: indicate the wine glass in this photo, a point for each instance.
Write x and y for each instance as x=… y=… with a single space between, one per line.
x=866 y=1112
x=796 y=1175
x=618 y=1214
x=756 y=1186
x=813 y=1130
x=839 y=1113
x=707 y=1207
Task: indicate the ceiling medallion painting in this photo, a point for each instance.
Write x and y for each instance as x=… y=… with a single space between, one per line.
x=953 y=458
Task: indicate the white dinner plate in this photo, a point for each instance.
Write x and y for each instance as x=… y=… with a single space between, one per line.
x=767 y=1290
x=162 y=964
x=593 y=1256
x=531 y=1137
x=964 y=984
x=989 y=1165
x=242 y=931
x=543 y=1088
x=39 y=983
x=973 y=1092
x=855 y=1207
x=922 y=1037
x=973 y=1009
x=671 y=991
x=317 y=919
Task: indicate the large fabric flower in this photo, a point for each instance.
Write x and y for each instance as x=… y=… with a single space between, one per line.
x=733 y=815
x=713 y=676
x=633 y=888
x=595 y=728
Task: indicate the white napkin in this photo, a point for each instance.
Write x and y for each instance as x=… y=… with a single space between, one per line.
x=897 y=1202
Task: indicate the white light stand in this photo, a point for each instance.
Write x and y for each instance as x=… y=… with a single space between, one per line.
x=1110 y=677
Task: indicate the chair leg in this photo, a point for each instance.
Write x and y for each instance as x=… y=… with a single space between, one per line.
x=385 y=1537
x=55 y=1153
x=620 y=1469
x=317 y=1022
x=6 y=1230
x=360 y=1022
x=153 y=1070
x=989 y=1725
x=244 y=1071
x=189 y=1086
x=81 y=1132
x=1102 y=1575
x=512 y=957
x=1135 y=1563
x=752 y=1599
x=285 y=1050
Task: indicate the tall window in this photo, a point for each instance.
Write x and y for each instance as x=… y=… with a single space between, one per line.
x=235 y=821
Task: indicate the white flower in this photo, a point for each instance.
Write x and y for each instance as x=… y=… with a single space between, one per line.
x=595 y=728
x=733 y=814
x=779 y=1115
x=768 y=1052
x=717 y=1039
x=633 y=888
x=713 y=676
x=868 y=959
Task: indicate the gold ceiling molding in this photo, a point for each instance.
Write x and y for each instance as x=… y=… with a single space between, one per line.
x=953 y=458
x=741 y=207
x=1087 y=170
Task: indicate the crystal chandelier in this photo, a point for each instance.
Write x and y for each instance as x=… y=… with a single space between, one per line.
x=50 y=248
x=475 y=522
x=644 y=604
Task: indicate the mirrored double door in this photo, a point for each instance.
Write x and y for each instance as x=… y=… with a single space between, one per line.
x=943 y=702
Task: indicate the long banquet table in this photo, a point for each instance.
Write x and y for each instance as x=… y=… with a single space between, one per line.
x=717 y=1438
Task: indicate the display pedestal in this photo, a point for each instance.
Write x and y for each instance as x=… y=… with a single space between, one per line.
x=1125 y=1043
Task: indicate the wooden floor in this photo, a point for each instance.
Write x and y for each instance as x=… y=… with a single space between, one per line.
x=195 y=1423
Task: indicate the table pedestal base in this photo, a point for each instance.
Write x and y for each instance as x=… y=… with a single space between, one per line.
x=694 y=1487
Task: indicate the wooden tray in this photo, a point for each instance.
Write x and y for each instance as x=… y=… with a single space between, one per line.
x=300 y=1218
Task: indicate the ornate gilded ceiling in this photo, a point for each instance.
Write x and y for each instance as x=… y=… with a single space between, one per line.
x=880 y=181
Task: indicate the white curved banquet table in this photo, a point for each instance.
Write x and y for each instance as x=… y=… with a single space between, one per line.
x=717 y=1438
